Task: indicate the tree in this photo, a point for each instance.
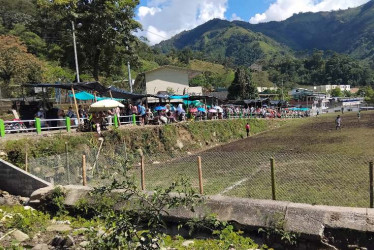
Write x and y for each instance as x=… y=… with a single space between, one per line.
x=16 y=64
x=106 y=31
x=242 y=87
x=337 y=92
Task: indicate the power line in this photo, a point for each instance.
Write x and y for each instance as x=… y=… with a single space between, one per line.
x=156 y=34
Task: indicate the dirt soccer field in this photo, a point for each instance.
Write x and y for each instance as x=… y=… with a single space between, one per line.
x=314 y=163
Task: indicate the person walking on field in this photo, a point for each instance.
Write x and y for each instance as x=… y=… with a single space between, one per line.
x=248 y=128
x=338 y=122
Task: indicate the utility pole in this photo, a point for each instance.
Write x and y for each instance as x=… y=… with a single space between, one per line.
x=75 y=52
x=129 y=70
x=282 y=91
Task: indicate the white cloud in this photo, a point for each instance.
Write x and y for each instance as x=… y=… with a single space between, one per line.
x=283 y=9
x=235 y=17
x=161 y=19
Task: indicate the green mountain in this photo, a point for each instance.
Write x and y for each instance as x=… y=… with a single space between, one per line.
x=348 y=31
x=220 y=40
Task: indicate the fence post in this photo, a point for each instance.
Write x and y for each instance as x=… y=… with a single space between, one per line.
x=68 y=123
x=116 y=121
x=67 y=161
x=2 y=128
x=26 y=159
x=371 y=184
x=201 y=187
x=38 y=125
x=84 y=170
x=272 y=179
x=134 y=119
x=142 y=175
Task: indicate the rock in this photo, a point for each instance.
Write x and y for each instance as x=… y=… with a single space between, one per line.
x=187 y=243
x=2 y=153
x=40 y=247
x=61 y=170
x=61 y=222
x=68 y=241
x=179 y=144
x=37 y=170
x=156 y=162
x=28 y=208
x=20 y=236
x=41 y=193
x=59 y=228
x=2 y=201
x=57 y=241
x=84 y=243
x=214 y=134
x=24 y=200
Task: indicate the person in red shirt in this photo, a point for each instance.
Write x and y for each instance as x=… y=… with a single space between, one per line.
x=247 y=128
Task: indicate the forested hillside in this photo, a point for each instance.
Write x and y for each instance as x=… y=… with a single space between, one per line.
x=334 y=47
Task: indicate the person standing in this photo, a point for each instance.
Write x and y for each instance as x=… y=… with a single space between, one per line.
x=359 y=116
x=338 y=122
x=248 y=128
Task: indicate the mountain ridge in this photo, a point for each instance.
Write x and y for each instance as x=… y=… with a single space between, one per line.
x=349 y=31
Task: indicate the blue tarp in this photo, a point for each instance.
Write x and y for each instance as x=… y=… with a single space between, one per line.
x=179 y=96
x=83 y=96
x=299 y=109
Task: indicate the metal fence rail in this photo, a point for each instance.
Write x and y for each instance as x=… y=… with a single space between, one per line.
x=306 y=178
x=38 y=125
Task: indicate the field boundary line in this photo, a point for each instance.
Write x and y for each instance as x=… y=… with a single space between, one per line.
x=238 y=183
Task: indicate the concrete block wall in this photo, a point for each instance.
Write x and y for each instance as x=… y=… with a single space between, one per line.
x=17 y=181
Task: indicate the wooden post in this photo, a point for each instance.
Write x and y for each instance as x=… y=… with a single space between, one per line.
x=201 y=187
x=84 y=170
x=110 y=93
x=142 y=175
x=26 y=159
x=272 y=179
x=371 y=184
x=67 y=161
x=95 y=99
x=76 y=105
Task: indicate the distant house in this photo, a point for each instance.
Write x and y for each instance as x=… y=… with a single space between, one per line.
x=327 y=88
x=262 y=89
x=170 y=79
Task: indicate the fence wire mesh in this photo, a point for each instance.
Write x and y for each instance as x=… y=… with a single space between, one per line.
x=306 y=178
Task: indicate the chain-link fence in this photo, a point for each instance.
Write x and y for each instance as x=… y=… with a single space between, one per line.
x=307 y=178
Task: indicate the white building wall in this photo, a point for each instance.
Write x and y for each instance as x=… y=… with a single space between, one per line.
x=166 y=79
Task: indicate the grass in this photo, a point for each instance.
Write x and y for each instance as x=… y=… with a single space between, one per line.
x=315 y=164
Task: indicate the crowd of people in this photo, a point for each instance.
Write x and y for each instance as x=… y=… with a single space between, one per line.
x=162 y=114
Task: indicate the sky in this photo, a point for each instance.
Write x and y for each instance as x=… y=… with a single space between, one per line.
x=162 y=19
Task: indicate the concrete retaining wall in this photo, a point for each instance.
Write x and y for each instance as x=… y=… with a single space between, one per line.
x=18 y=182
x=307 y=220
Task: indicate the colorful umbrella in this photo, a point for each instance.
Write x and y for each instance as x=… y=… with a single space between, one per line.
x=212 y=110
x=159 y=108
x=105 y=105
x=201 y=109
x=219 y=109
x=193 y=110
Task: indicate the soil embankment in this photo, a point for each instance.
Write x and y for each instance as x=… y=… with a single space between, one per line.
x=152 y=140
